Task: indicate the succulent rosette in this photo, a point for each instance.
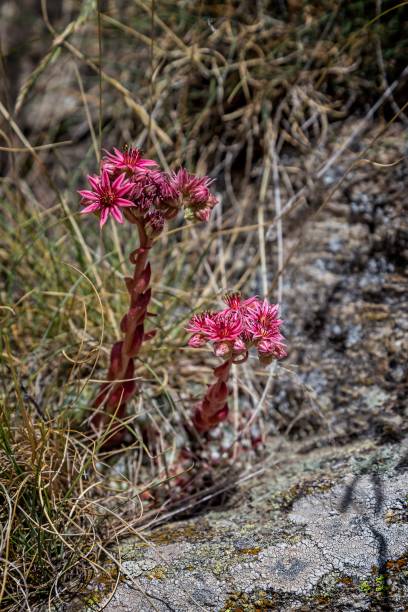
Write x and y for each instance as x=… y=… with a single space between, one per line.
x=232 y=332
x=242 y=325
x=129 y=180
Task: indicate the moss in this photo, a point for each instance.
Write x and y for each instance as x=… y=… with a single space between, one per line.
x=364 y=586
x=347 y=580
x=378 y=585
x=334 y=592
x=303 y=488
x=191 y=532
x=159 y=573
x=105 y=583
x=93 y=599
x=250 y=551
x=381 y=584
x=248 y=602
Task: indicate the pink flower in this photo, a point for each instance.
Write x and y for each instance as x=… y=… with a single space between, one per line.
x=224 y=327
x=129 y=161
x=199 y=323
x=264 y=322
x=222 y=349
x=156 y=190
x=239 y=306
x=198 y=326
x=197 y=341
x=264 y=328
x=195 y=194
x=192 y=187
x=243 y=324
x=240 y=346
x=271 y=349
x=232 y=332
x=106 y=197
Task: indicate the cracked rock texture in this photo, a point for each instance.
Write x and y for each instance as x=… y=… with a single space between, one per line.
x=335 y=535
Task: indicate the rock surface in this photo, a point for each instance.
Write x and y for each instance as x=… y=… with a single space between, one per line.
x=345 y=307
x=327 y=530
x=323 y=525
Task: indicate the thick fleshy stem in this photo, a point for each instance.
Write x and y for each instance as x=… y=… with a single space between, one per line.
x=213 y=409
x=120 y=386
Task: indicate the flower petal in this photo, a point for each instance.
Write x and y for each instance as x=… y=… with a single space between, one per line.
x=93 y=181
x=88 y=195
x=144 y=163
x=91 y=208
x=125 y=189
x=116 y=214
x=104 y=216
x=117 y=183
x=123 y=202
x=105 y=182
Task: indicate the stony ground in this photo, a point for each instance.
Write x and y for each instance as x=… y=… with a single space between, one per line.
x=322 y=525
x=345 y=302
x=327 y=530
x=321 y=521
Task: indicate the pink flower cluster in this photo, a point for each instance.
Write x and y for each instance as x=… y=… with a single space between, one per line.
x=242 y=325
x=150 y=196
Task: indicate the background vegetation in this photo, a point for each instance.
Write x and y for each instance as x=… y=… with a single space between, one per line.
x=273 y=99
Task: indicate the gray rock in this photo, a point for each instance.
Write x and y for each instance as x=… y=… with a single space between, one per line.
x=336 y=528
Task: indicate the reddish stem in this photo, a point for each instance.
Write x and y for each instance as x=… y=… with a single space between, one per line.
x=214 y=406
x=113 y=396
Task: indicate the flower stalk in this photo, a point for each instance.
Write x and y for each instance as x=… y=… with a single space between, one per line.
x=213 y=409
x=121 y=385
x=232 y=332
x=132 y=188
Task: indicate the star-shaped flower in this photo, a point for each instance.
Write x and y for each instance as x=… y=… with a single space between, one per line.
x=106 y=197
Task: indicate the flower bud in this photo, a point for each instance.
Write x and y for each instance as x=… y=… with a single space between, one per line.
x=197 y=341
x=222 y=349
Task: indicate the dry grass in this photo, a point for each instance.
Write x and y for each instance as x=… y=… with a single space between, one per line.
x=229 y=89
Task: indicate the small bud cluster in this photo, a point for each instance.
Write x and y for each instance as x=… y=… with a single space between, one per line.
x=151 y=196
x=235 y=329
x=232 y=332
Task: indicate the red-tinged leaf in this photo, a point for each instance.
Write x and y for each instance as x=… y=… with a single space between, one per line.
x=218 y=393
x=101 y=395
x=144 y=280
x=129 y=283
x=133 y=257
x=149 y=335
x=123 y=324
x=136 y=341
x=116 y=360
x=222 y=370
x=142 y=300
x=222 y=414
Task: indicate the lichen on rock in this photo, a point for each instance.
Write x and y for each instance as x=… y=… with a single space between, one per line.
x=342 y=533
